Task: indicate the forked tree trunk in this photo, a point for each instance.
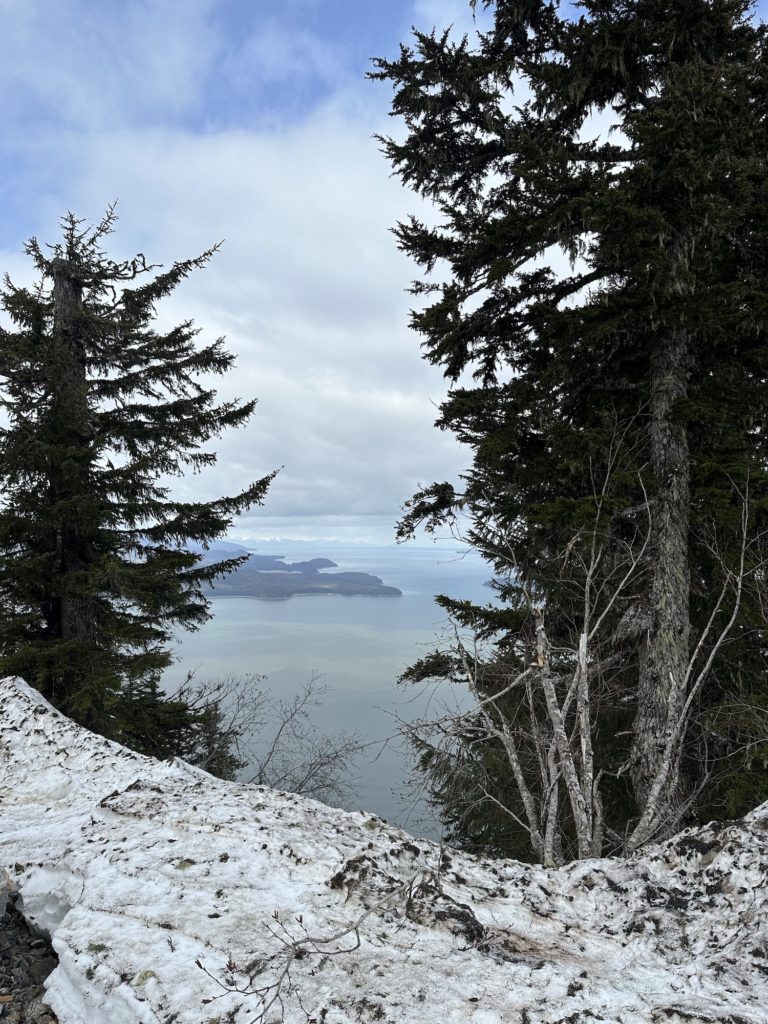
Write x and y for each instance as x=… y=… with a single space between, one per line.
x=665 y=651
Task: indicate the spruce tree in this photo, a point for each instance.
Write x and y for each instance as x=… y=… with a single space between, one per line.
x=102 y=409
x=640 y=364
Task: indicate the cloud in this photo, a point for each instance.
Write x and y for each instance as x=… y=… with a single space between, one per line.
x=87 y=66
x=277 y=54
x=308 y=287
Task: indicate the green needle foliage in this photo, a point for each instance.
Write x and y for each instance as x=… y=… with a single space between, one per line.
x=595 y=290
x=100 y=410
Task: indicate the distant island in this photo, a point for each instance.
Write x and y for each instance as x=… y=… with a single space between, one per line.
x=271 y=578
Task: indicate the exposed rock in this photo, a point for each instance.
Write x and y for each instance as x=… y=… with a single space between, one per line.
x=26 y=960
x=174 y=897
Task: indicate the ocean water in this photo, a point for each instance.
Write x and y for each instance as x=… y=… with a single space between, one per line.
x=357 y=646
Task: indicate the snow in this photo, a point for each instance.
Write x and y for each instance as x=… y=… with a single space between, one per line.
x=166 y=890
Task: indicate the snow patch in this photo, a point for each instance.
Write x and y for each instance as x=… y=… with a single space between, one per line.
x=48 y=897
x=175 y=898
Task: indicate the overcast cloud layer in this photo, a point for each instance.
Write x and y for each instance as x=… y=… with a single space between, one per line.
x=249 y=122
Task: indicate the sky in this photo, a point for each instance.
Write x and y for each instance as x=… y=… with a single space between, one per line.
x=252 y=123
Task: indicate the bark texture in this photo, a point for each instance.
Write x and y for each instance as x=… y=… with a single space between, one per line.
x=665 y=651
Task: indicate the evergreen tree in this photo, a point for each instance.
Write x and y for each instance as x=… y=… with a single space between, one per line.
x=631 y=379
x=101 y=409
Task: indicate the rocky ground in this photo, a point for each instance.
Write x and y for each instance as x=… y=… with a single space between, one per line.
x=26 y=960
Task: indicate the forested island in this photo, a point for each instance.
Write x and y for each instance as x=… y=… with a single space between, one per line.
x=271 y=578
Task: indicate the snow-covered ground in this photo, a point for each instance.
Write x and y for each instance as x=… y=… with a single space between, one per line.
x=173 y=897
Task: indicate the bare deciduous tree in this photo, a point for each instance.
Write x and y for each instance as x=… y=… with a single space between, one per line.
x=272 y=740
x=540 y=709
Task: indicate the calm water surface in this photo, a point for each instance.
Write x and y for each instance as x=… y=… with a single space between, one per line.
x=358 y=645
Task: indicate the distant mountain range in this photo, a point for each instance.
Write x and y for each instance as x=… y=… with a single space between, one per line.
x=271 y=578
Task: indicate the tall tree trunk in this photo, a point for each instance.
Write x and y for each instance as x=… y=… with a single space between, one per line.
x=73 y=611
x=665 y=651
